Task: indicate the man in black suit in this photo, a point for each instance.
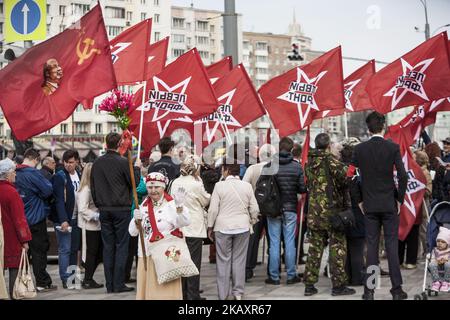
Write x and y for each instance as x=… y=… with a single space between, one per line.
x=381 y=200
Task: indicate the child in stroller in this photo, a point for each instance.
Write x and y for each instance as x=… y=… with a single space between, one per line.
x=439 y=262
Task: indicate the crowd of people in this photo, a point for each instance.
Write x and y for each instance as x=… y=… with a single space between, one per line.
x=185 y=203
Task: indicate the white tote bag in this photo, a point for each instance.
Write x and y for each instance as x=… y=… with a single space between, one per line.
x=24 y=287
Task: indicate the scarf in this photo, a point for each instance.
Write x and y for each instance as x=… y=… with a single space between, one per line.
x=156 y=234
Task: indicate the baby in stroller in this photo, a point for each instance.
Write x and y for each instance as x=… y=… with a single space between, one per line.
x=439 y=262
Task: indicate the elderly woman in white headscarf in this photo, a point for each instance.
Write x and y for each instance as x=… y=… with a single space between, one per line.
x=196 y=201
x=160 y=216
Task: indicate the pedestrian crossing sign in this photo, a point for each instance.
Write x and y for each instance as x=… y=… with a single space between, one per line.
x=25 y=20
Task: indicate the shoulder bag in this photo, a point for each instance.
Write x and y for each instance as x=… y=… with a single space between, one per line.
x=23 y=286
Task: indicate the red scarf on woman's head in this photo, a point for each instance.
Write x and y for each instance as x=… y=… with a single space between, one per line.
x=156 y=234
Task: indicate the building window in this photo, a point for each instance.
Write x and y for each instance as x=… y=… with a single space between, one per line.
x=246 y=45
x=157 y=36
x=1 y=27
x=1 y=8
x=177 y=52
x=178 y=23
x=213 y=42
x=188 y=26
x=213 y=57
x=156 y=2
x=178 y=38
x=261 y=46
x=202 y=26
x=188 y=41
x=62 y=27
x=48 y=28
x=64 y=128
x=261 y=70
x=142 y=1
x=114 y=12
x=48 y=9
x=79 y=108
x=143 y=16
x=114 y=127
x=114 y=30
x=156 y=18
x=62 y=10
x=129 y=15
x=261 y=59
x=204 y=54
x=202 y=40
x=1 y=129
x=79 y=9
x=211 y=28
x=98 y=128
x=81 y=128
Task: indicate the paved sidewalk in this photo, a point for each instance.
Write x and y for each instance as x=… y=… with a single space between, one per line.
x=256 y=289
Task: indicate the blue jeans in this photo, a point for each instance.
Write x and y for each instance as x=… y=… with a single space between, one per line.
x=287 y=224
x=64 y=245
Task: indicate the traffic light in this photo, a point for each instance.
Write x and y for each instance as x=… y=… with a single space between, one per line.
x=295 y=56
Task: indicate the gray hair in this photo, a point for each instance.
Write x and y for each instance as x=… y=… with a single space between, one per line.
x=47 y=161
x=6 y=167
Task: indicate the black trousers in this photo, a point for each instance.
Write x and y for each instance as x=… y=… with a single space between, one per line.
x=191 y=285
x=39 y=246
x=94 y=249
x=75 y=242
x=411 y=244
x=253 y=246
x=115 y=239
x=390 y=222
x=354 y=265
x=132 y=255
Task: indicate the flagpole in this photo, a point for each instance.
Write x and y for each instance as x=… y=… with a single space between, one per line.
x=224 y=127
x=141 y=122
x=345 y=125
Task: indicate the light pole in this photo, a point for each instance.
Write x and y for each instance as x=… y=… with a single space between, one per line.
x=230 y=32
x=427 y=25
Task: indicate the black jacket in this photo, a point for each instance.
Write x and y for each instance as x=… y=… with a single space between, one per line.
x=166 y=166
x=290 y=180
x=47 y=173
x=376 y=160
x=111 y=182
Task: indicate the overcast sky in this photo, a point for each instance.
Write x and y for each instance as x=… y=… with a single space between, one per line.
x=380 y=29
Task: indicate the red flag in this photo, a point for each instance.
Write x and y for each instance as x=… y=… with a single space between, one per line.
x=292 y=97
x=156 y=58
x=415 y=190
x=239 y=105
x=77 y=66
x=181 y=90
x=219 y=69
x=129 y=53
x=356 y=97
x=422 y=75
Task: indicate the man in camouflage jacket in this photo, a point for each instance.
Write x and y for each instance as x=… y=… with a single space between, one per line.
x=320 y=231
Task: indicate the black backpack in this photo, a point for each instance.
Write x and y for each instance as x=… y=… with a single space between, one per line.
x=267 y=194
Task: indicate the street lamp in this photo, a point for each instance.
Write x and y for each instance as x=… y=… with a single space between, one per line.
x=427 y=25
x=444 y=26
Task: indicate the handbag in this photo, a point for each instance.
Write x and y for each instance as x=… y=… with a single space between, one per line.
x=172 y=259
x=342 y=218
x=23 y=286
x=244 y=207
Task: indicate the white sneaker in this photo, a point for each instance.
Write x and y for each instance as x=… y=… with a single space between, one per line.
x=237 y=297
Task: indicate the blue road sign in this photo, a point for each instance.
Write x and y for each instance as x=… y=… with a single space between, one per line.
x=25 y=16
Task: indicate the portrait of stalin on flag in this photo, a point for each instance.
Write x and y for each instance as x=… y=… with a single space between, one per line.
x=52 y=76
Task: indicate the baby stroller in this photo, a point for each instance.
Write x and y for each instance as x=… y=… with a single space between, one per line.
x=439 y=217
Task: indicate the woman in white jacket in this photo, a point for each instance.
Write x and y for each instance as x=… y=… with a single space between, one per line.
x=160 y=216
x=197 y=200
x=88 y=222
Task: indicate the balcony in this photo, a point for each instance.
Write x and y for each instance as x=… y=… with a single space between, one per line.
x=264 y=53
x=263 y=65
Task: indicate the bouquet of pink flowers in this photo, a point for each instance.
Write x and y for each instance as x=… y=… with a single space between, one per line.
x=117 y=105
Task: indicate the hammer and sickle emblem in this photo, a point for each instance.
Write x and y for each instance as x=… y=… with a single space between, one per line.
x=86 y=54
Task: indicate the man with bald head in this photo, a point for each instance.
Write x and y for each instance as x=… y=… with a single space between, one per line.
x=52 y=76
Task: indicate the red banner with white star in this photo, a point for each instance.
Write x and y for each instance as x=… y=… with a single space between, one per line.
x=292 y=97
x=410 y=211
x=219 y=68
x=128 y=51
x=420 y=76
x=356 y=97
